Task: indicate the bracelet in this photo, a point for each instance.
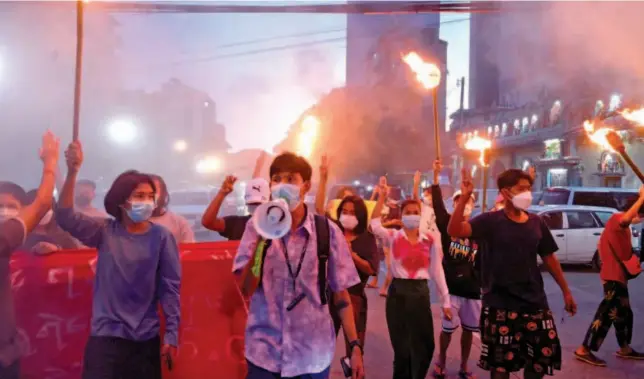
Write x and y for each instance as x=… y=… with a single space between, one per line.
x=355 y=343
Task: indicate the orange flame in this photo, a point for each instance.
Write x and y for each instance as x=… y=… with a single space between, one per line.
x=427 y=74
x=598 y=136
x=479 y=144
x=307 y=136
x=636 y=116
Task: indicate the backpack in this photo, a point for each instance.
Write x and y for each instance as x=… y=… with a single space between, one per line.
x=323 y=237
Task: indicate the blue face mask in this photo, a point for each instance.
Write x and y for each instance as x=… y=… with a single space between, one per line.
x=411 y=221
x=289 y=193
x=140 y=211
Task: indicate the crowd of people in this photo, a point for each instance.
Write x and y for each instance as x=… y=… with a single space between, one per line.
x=308 y=284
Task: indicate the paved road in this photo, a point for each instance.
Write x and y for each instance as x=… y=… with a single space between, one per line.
x=586 y=288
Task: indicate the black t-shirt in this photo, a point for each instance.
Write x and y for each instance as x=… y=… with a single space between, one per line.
x=235 y=226
x=366 y=247
x=510 y=276
x=459 y=254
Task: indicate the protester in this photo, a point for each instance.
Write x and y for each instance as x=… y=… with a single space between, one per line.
x=518 y=328
x=13 y=229
x=47 y=237
x=232 y=227
x=462 y=282
x=320 y=196
x=414 y=258
x=615 y=248
x=176 y=224
x=12 y=198
x=138 y=268
x=85 y=195
x=289 y=332
x=353 y=221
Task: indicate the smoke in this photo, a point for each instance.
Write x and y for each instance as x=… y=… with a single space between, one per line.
x=564 y=48
x=314 y=71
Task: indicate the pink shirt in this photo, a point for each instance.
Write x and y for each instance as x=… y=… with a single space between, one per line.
x=421 y=261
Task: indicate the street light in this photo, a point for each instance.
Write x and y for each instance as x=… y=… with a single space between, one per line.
x=122 y=132
x=180 y=146
x=208 y=165
x=429 y=76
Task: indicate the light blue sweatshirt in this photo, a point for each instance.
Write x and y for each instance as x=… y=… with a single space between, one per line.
x=135 y=272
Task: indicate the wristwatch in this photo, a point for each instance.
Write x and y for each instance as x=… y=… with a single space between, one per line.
x=355 y=343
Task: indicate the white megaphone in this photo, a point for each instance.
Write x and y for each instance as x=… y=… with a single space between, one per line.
x=272 y=220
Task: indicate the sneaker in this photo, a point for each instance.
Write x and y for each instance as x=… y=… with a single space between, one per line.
x=591 y=359
x=631 y=355
x=465 y=375
x=439 y=372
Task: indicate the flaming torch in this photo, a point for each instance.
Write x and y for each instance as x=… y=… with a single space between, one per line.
x=610 y=140
x=482 y=145
x=307 y=136
x=429 y=76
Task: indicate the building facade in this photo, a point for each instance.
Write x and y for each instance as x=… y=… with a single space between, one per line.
x=375 y=47
x=531 y=92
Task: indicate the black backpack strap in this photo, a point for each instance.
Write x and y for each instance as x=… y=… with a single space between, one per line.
x=267 y=244
x=323 y=246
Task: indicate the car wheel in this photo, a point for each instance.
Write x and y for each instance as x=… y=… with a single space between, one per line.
x=597 y=262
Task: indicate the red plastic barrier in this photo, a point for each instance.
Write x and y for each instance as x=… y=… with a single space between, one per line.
x=52 y=297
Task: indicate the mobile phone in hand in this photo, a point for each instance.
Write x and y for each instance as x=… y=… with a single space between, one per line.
x=346 y=366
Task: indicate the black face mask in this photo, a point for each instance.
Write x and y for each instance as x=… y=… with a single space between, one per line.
x=83 y=201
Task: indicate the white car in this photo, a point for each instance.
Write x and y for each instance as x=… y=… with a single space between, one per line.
x=576 y=229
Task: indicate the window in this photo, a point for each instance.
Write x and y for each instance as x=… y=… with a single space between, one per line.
x=625 y=200
x=595 y=199
x=581 y=220
x=603 y=217
x=555 y=197
x=554 y=220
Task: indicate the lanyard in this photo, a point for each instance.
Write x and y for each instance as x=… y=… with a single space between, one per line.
x=295 y=274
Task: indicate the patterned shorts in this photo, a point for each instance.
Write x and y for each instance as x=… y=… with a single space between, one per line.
x=511 y=341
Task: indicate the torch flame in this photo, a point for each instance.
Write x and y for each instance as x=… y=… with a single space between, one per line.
x=307 y=136
x=598 y=136
x=636 y=116
x=427 y=74
x=479 y=144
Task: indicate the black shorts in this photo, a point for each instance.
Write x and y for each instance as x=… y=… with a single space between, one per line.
x=511 y=341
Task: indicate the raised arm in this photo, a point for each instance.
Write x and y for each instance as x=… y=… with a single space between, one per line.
x=86 y=229
x=416 y=188
x=442 y=216
x=458 y=227
x=168 y=288
x=210 y=219
x=320 y=196
x=34 y=212
x=633 y=211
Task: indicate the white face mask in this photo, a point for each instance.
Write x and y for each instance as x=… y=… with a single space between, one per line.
x=468 y=211
x=7 y=213
x=46 y=218
x=349 y=222
x=523 y=200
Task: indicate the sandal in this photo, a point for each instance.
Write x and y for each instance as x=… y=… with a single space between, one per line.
x=439 y=372
x=465 y=375
x=591 y=359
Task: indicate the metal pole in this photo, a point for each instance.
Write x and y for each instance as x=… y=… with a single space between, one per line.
x=629 y=161
x=78 y=68
x=437 y=138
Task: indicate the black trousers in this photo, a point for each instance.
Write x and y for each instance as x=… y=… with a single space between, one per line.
x=614 y=310
x=10 y=372
x=411 y=328
x=359 y=306
x=118 y=358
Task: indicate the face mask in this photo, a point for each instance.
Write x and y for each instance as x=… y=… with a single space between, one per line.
x=252 y=208
x=468 y=211
x=289 y=193
x=140 y=210
x=348 y=222
x=7 y=213
x=83 y=201
x=411 y=221
x=46 y=218
x=523 y=200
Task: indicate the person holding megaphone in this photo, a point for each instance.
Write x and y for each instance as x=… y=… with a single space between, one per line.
x=287 y=258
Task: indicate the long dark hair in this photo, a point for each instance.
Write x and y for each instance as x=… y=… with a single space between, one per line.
x=362 y=214
x=164 y=196
x=122 y=189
